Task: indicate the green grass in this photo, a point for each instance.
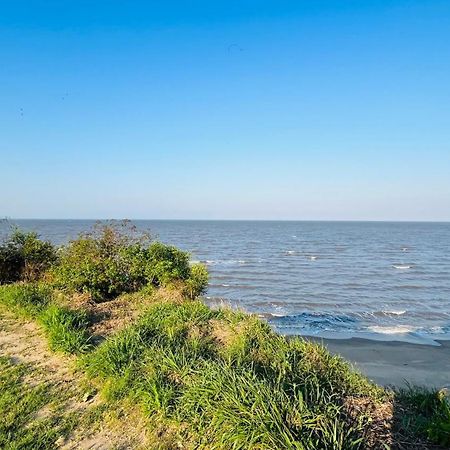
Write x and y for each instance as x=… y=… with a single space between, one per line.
x=20 y=425
x=25 y=300
x=247 y=389
x=65 y=329
x=426 y=412
x=211 y=379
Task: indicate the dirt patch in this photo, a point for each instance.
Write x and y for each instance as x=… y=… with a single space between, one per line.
x=124 y=429
x=24 y=342
x=224 y=333
x=380 y=418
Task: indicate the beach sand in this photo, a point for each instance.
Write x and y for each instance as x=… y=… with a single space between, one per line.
x=395 y=363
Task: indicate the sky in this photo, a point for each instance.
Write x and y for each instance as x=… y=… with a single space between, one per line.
x=289 y=110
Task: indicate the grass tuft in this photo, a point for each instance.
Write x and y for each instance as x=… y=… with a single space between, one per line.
x=25 y=300
x=66 y=329
x=426 y=412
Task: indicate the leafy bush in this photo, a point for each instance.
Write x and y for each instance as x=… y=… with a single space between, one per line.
x=25 y=257
x=197 y=281
x=115 y=259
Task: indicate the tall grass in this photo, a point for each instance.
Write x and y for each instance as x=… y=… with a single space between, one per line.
x=246 y=389
x=66 y=329
x=426 y=412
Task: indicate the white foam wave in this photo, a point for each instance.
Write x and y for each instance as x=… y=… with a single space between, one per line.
x=269 y=315
x=399 y=329
x=394 y=312
x=213 y=262
x=401 y=266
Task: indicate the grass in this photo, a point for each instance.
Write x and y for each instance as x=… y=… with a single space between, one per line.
x=65 y=328
x=249 y=389
x=20 y=425
x=425 y=412
x=218 y=379
x=25 y=299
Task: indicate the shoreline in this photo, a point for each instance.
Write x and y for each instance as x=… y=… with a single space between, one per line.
x=394 y=362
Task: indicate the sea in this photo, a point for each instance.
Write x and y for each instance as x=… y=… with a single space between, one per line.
x=375 y=280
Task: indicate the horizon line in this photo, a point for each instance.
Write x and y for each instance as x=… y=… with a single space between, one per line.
x=6 y=219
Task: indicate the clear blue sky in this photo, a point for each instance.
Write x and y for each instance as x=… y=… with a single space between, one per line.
x=225 y=109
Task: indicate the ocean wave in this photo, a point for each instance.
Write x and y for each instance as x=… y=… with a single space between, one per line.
x=394 y=312
x=401 y=266
x=396 y=329
x=311 y=319
x=223 y=262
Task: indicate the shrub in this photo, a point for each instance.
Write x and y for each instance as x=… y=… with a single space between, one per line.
x=197 y=281
x=103 y=263
x=165 y=264
x=115 y=259
x=25 y=257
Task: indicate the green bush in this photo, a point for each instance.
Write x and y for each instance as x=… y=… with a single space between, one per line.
x=197 y=281
x=165 y=264
x=113 y=260
x=25 y=257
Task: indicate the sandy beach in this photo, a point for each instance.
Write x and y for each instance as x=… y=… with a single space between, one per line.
x=396 y=363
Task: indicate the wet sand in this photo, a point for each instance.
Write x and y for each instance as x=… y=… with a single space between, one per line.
x=395 y=363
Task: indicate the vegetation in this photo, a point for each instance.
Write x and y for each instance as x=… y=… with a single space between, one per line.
x=26 y=300
x=24 y=257
x=202 y=378
x=19 y=405
x=426 y=412
x=66 y=329
x=226 y=380
x=113 y=260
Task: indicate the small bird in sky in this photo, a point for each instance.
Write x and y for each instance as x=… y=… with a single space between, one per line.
x=235 y=47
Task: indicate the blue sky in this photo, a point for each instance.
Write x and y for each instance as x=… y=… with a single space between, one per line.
x=334 y=110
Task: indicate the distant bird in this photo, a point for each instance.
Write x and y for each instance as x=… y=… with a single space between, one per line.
x=235 y=47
